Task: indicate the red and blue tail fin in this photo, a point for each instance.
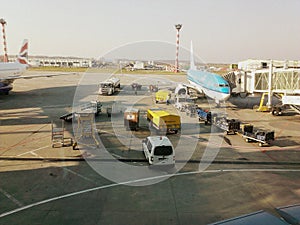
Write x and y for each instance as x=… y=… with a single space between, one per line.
x=23 y=54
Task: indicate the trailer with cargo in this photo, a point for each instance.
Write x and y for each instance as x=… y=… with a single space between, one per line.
x=228 y=125
x=204 y=115
x=259 y=136
x=219 y=120
x=190 y=109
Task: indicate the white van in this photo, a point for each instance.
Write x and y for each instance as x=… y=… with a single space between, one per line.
x=159 y=150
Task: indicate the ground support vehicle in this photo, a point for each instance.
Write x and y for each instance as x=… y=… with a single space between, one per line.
x=163 y=121
x=92 y=106
x=288 y=101
x=153 y=88
x=136 y=86
x=162 y=96
x=131 y=118
x=109 y=86
x=158 y=150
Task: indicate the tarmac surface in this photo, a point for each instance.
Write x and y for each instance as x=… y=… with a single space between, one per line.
x=108 y=180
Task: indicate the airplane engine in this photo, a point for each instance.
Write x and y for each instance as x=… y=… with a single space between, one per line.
x=180 y=90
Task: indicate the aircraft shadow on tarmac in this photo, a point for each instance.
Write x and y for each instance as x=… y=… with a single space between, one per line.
x=248 y=102
x=37 y=106
x=285 y=141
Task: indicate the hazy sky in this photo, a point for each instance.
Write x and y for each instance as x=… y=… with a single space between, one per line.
x=221 y=30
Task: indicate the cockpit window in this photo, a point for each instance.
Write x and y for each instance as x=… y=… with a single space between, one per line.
x=223 y=85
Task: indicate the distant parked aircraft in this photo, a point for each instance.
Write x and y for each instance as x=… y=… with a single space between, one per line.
x=10 y=71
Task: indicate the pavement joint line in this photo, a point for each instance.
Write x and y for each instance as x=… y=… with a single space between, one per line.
x=138 y=181
x=56 y=106
x=9 y=196
x=79 y=175
x=233 y=162
x=21 y=128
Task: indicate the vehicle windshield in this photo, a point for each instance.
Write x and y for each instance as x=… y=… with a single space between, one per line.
x=163 y=150
x=105 y=85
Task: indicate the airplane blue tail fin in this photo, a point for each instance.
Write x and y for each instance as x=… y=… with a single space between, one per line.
x=192 y=62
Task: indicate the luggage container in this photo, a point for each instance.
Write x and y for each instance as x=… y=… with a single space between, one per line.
x=163 y=121
x=131 y=118
x=260 y=136
x=219 y=120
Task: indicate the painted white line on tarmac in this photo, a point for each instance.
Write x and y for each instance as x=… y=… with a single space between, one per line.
x=31 y=151
x=11 y=198
x=138 y=181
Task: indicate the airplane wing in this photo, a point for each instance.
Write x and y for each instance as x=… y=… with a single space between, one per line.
x=35 y=76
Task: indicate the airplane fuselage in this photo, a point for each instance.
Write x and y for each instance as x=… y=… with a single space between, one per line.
x=8 y=72
x=212 y=85
x=11 y=69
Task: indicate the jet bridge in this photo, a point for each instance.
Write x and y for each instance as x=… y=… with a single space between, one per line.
x=285 y=81
x=271 y=80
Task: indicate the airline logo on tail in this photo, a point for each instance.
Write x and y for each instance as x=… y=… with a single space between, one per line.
x=23 y=54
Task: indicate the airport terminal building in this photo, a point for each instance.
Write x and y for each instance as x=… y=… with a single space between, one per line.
x=57 y=61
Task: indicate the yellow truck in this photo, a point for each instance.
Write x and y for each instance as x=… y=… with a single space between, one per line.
x=163 y=121
x=162 y=96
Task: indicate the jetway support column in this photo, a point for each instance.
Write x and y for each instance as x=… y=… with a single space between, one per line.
x=270 y=93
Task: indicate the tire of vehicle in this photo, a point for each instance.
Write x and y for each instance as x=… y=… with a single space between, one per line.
x=275 y=112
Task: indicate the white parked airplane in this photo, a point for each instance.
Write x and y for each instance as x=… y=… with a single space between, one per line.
x=10 y=71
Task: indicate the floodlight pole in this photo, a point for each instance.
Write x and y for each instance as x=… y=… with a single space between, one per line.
x=178 y=27
x=3 y=23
